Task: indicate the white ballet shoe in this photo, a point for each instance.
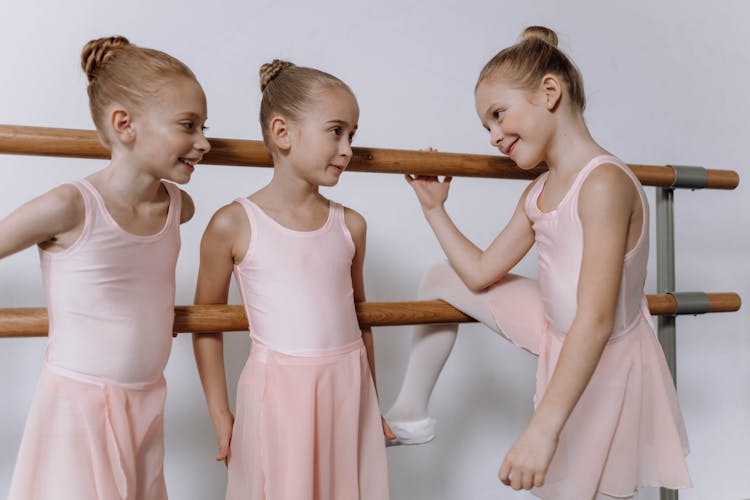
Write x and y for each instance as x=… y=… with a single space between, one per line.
x=412 y=432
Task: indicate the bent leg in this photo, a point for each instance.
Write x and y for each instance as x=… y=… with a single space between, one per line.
x=432 y=344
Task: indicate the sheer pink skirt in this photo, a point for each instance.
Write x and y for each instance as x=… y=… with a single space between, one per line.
x=626 y=431
x=92 y=440
x=307 y=428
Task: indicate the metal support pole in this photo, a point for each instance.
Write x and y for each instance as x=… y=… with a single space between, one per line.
x=665 y=283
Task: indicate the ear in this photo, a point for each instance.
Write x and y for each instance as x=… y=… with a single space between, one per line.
x=280 y=134
x=551 y=89
x=121 y=123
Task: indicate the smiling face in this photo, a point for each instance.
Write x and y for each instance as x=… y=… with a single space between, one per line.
x=321 y=139
x=169 y=130
x=518 y=120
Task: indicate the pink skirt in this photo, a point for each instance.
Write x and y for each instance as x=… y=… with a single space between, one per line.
x=91 y=440
x=307 y=428
x=626 y=431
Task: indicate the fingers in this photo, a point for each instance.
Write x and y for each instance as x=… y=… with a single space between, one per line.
x=520 y=478
x=504 y=473
x=389 y=434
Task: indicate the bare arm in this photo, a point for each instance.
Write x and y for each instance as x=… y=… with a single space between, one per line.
x=358 y=229
x=605 y=208
x=216 y=265
x=55 y=218
x=478 y=269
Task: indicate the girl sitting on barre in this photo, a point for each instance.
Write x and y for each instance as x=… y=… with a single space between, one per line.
x=108 y=246
x=308 y=424
x=606 y=419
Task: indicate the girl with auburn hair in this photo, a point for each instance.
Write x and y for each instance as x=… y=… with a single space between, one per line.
x=108 y=246
x=308 y=425
x=606 y=420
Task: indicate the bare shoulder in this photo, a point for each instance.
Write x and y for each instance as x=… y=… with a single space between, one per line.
x=608 y=182
x=188 y=207
x=356 y=224
x=228 y=220
x=63 y=204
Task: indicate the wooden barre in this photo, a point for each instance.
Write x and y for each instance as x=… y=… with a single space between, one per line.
x=76 y=143
x=32 y=322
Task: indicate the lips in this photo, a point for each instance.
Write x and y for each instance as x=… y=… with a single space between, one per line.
x=337 y=168
x=189 y=162
x=512 y=146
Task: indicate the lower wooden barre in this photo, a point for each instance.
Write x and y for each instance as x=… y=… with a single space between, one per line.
x=77 y=143
x=32 y=322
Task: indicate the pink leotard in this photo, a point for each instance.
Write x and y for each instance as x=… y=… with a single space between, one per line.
x=110 y=297
x=297 y=285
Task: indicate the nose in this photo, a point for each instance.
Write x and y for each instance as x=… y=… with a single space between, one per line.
x=202 y=144
x=346 y=150
x=496 y=136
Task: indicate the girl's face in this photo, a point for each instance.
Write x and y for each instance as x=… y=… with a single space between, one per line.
x=518 y=120
x=321 y=140
x=169 y=130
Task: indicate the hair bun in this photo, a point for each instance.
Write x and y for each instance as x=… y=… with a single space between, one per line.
x=271 y=70
x=96 y=53
x=540 y=33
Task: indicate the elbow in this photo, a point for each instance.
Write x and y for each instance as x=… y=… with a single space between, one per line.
x=475 y=284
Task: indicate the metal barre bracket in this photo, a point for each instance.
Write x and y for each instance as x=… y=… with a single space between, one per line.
x=689 y=177
x=691 y=302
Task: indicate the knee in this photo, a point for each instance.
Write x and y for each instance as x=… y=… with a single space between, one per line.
x=436 y=280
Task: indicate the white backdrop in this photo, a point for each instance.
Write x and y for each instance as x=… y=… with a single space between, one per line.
x=666 y=81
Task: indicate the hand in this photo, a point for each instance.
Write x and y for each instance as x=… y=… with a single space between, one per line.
x=431 y=192
x=526 y=463
x=223 y=426
x=389 y=434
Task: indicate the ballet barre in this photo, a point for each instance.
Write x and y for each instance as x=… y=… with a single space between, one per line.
x=32 y=322
x=76 y=143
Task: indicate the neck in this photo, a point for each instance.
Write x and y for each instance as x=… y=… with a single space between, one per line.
x=126 y=183
x=288 y=189
x=571 y=147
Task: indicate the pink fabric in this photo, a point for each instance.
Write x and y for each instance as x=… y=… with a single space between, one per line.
x=297 y=285
x=307 y=423
x=87 y=440
x=110 y=296
x=94 y=430
x=626 y=430
x=307 y=428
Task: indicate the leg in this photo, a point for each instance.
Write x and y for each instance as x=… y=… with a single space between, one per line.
x=432 y=344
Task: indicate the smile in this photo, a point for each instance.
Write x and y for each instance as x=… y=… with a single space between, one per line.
x=510 y=148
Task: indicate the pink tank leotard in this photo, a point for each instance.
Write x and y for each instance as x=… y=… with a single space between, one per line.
x=297 y=285
x=559 y=240
x=110 y=297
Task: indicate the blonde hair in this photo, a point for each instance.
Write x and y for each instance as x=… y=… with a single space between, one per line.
x=534 y=56
x=288 y=90
x=120 y=72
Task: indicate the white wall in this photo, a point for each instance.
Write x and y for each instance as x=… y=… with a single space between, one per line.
x=667 y=83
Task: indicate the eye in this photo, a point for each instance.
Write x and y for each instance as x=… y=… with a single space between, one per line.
x=351 y=137
x=498 y=114
x=187 y=125
x=337 y=131
x=204 y=128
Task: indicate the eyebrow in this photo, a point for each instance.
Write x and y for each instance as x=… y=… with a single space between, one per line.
x=336 y=121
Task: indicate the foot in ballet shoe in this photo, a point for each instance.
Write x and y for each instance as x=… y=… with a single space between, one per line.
x=412 y=432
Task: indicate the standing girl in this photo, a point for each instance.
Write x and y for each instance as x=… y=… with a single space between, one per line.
x=108 y=247
x=606 y=420
x=308 y=424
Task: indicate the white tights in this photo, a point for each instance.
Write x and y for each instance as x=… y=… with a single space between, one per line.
x=432 y=344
